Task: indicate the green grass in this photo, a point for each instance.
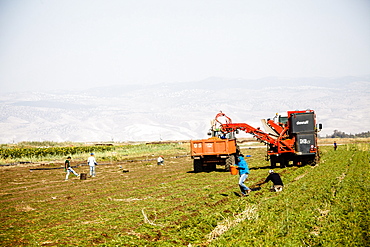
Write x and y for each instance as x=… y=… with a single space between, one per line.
x=325 y=205
x=328 y=206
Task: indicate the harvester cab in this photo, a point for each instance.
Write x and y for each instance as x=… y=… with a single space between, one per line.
x=281 y=118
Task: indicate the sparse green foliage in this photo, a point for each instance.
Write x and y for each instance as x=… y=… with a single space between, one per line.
x=12 y=154
x=17 y=153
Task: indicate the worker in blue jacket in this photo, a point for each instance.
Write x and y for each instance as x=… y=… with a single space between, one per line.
x=243 y=174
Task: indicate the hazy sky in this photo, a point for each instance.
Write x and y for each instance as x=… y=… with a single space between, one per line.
x=54 y=44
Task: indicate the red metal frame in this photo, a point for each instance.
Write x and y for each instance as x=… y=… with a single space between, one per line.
x=283 y=143
x=278 y=145
x=221 y=114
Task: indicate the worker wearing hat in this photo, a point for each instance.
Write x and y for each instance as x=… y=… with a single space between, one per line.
x=276 y=180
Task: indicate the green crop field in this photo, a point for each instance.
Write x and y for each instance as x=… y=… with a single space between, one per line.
x=134 y=202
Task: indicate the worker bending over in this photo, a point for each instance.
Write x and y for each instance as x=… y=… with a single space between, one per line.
x=276 y=180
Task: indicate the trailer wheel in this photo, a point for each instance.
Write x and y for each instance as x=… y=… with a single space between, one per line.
x=198 y=165
x=210 y=167
x=229 y=162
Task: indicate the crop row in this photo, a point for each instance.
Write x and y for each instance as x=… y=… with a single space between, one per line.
x=14 y=153
x=326 y=205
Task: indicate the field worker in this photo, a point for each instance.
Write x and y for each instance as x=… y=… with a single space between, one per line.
x=335 y=146
x=68 y=169
x=160 y=160
x=92 y=162
x=276 y=180
x=243 y=174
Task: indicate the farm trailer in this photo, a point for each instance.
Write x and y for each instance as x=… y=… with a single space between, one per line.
x=290 y=137
x=208 y=153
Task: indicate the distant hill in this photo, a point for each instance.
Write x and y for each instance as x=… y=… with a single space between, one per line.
x=179 y=111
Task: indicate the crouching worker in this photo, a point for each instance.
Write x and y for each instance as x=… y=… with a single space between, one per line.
x=68 y=168
x=276 y=180
x=160 y=160
x=243 y=174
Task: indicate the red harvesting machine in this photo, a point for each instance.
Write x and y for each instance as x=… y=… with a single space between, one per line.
x=290 y=137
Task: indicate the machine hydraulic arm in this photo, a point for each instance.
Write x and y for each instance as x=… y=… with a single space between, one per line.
x=279 y=142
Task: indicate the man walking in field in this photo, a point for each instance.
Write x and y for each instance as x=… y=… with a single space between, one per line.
x=276 y=180
x=92 y=162
x=243 y=174
x=68 y=168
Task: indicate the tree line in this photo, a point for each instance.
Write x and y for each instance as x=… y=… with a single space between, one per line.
x=341 y=134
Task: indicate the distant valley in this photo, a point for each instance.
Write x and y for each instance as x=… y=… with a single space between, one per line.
x=179 y=111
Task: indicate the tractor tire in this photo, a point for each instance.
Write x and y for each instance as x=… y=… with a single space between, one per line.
x=312 y=162
x=317 y=156
x=308 y=161
x=198 y=165
x=229 y=162
x=284 y=162
x=296 y=162
x=273 y=162
x=304 y=162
